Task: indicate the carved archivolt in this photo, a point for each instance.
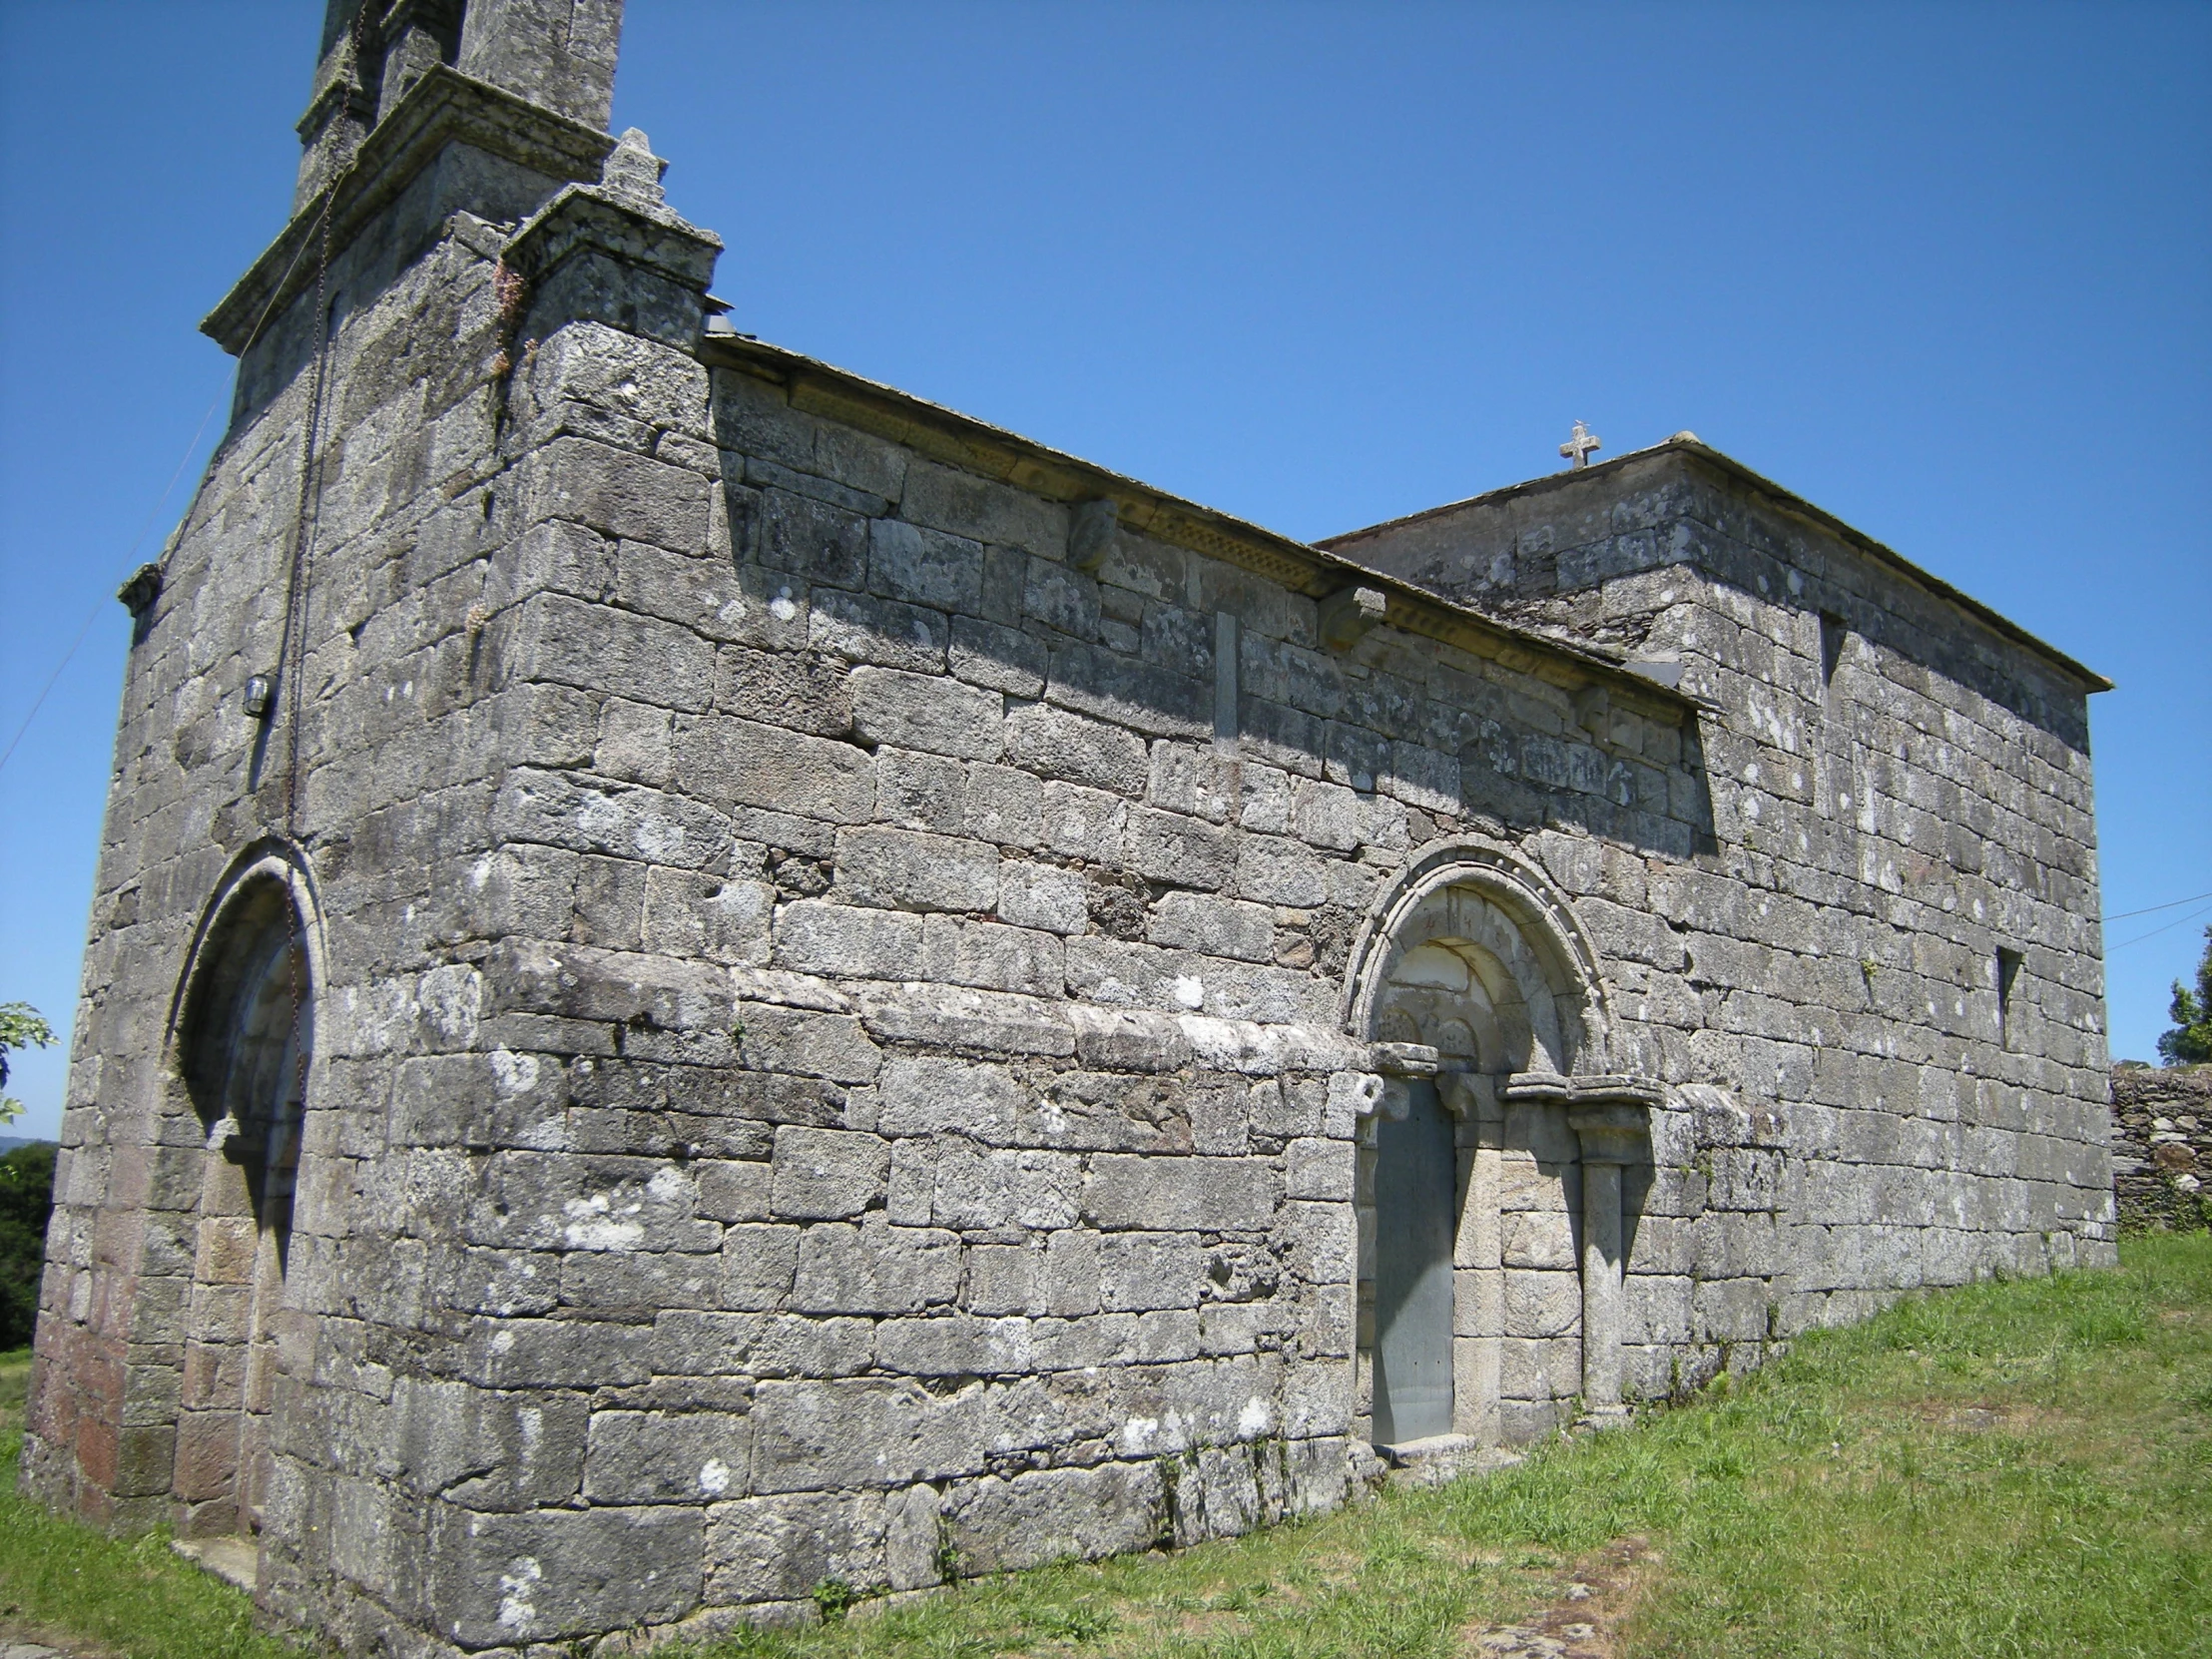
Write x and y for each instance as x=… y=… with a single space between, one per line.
x=259 y=944
x=1473 y=950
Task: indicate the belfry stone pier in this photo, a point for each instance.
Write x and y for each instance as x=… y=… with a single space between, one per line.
x=708 y=977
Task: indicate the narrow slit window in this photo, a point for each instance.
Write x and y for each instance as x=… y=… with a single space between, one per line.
x=1833 y=635
x=2009 y=971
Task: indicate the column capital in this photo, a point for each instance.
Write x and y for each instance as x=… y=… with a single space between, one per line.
x=1552 y=1089
x=1611 y=1131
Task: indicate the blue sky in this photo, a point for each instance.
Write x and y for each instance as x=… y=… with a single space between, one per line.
x=1942 y=269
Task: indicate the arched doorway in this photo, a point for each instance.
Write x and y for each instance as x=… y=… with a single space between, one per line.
x=1469 y=1282
x=246 y=1046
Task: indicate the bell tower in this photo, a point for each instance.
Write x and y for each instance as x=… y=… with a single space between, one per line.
x=342 y=661
x=558 y=54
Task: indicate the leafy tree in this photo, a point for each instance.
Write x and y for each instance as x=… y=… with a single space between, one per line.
x=26 y=1202
x=20 y=1027
x=2189 y=1043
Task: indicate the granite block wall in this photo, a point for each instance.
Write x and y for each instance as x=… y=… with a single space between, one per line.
x=860 y=966
x=1893 y=946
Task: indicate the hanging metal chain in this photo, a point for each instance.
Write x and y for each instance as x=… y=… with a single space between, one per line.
x=292 y=649
x=292 y=655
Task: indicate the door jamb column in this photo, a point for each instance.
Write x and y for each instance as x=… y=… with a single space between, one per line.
x=1614 y=1128
x=1611 y=1118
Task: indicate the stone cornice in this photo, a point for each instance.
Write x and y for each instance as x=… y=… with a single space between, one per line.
x=960 y=440
x=639 y=233
x=444 y=106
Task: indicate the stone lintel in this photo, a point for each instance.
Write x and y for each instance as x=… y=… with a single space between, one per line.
x=1407 y=1059
x=446 y=107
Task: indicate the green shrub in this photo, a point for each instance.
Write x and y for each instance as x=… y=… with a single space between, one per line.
x=26 y=1201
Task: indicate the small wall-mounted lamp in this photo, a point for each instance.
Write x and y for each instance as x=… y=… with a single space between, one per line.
x=261 y=695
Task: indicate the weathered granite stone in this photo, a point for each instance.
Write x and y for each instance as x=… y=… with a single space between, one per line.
x=2162 y=1145
x=862 y=987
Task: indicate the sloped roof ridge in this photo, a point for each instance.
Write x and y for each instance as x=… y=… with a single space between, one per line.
x=1776 y=496
x=1305 y=567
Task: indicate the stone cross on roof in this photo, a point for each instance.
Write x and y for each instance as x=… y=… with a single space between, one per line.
x=1577 y=448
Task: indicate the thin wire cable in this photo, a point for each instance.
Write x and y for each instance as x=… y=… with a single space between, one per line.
x=182 y=461
x=291 y=662
x=91 y=614
x=2155 y=931
x=39 y=702
x=2153 y=909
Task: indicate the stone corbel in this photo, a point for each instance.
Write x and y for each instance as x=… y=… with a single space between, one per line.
x=139 y=593
x=1354 y=1099
x=1414 y=1060
x=1468 y=1094
x=1397 y=1067
x=1093 y=527
x=1349 y=614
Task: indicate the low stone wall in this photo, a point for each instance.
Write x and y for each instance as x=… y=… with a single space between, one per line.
x=2162 y=1145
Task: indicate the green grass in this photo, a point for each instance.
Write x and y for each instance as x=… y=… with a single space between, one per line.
x=1997 y=1472
x=68 y=1586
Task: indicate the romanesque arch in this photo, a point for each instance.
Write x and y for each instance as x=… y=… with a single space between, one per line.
x=241 y=1047
x=1483 y=931
x=1480 y=986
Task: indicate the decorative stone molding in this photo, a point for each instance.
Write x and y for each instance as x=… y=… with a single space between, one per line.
x=444 y=106
x=1558 y=952
x=271 y=858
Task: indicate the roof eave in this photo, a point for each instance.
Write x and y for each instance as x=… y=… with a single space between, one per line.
x=1776 y=496
x=946 y=434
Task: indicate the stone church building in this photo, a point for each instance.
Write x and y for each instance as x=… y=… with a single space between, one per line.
x=708 y=977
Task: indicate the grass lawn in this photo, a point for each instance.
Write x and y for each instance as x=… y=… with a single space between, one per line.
x=2004 y=1470
x=71 y=1587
